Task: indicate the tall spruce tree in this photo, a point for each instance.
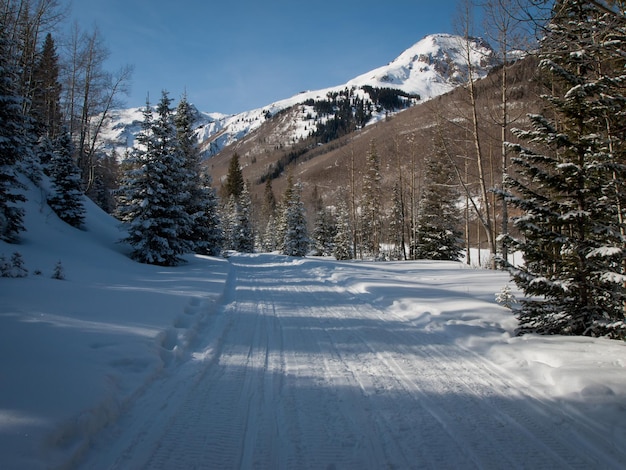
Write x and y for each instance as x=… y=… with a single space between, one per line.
x=234 y=178
x=200 y=200
x=46 y=102
x=159 y=226
x=237 y=211
x=106 y=182
x=67 y=196
x=207 y=228
x=14 y=141
x=324 y=232
x=343 y=237
x=438 y=236
x=268 y=240
x=296 y=239
x=229 y=223
x=243 y=233
x=570 y=179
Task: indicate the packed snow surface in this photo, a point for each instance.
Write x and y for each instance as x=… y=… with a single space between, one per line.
x=266 y=361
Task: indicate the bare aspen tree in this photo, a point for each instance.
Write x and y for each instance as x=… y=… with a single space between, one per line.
x=90 y=94
x=484 y=215
x=505 y=31
x=400 y=225
x=27 y=22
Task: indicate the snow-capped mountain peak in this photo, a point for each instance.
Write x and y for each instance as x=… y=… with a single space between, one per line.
x=431 y=67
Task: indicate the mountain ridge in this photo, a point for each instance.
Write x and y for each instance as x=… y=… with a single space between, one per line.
x=432 y=66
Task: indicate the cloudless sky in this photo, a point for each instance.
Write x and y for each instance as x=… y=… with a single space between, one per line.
x=235 y=55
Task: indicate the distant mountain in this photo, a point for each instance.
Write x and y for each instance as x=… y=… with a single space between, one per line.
x=431 y=67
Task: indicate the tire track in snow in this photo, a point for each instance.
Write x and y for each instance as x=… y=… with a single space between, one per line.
x=500 y=414
x=298 y=372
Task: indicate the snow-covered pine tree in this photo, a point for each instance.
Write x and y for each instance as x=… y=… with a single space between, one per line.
x=236 y=213
x=159 y=225
x=106 y=180
x=268 y=219
x=324 y=232
x=296 y=239
x=229 y=222
x=343 y=237
x=570 y=177
x=128 y=195
x=209 y=235
x=18 y=267
x=281 y=214
x=66 y=199
x=44 y=151
x=438 y=236
x=14 y=142
x=243 y=233
x=269 y=241
x=201 y=203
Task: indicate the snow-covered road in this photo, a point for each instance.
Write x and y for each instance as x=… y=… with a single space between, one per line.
x=308 y=365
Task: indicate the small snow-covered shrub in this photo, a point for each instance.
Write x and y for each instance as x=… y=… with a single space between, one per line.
x=13 y=268
x=5 y=267
x=17 y=265
x=58 y=272
x=505 y=297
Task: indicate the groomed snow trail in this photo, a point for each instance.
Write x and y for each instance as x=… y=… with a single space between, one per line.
x=305 y=369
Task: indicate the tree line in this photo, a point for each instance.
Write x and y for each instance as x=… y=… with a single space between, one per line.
x=52 y=107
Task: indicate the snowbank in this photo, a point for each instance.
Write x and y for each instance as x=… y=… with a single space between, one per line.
x=75 y=352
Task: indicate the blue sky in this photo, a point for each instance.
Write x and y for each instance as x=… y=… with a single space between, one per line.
x=236 y=55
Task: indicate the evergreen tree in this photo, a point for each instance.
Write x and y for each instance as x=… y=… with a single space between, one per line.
x=229 y=223
x=13 y=142
x=270 y=240
x=243 y=233
x=343 y=237
x=437 y=235
x=269 y=200
x=18 y=268
x=207 y=231
x=324 y=232
x=570 y=180
x=159 y=225
x=106 y=181
x=268 y=218
x=281 y=214
x=45 y=150
x=234 y=178
x=131 y=171
x=372 y=202
x=201 y=202
x=31 y=166
x=296 y=240
x=66 y=199
x=46 y=107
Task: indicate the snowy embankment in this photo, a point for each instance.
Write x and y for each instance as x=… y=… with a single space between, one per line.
x=269 y=361
x=74 y=353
